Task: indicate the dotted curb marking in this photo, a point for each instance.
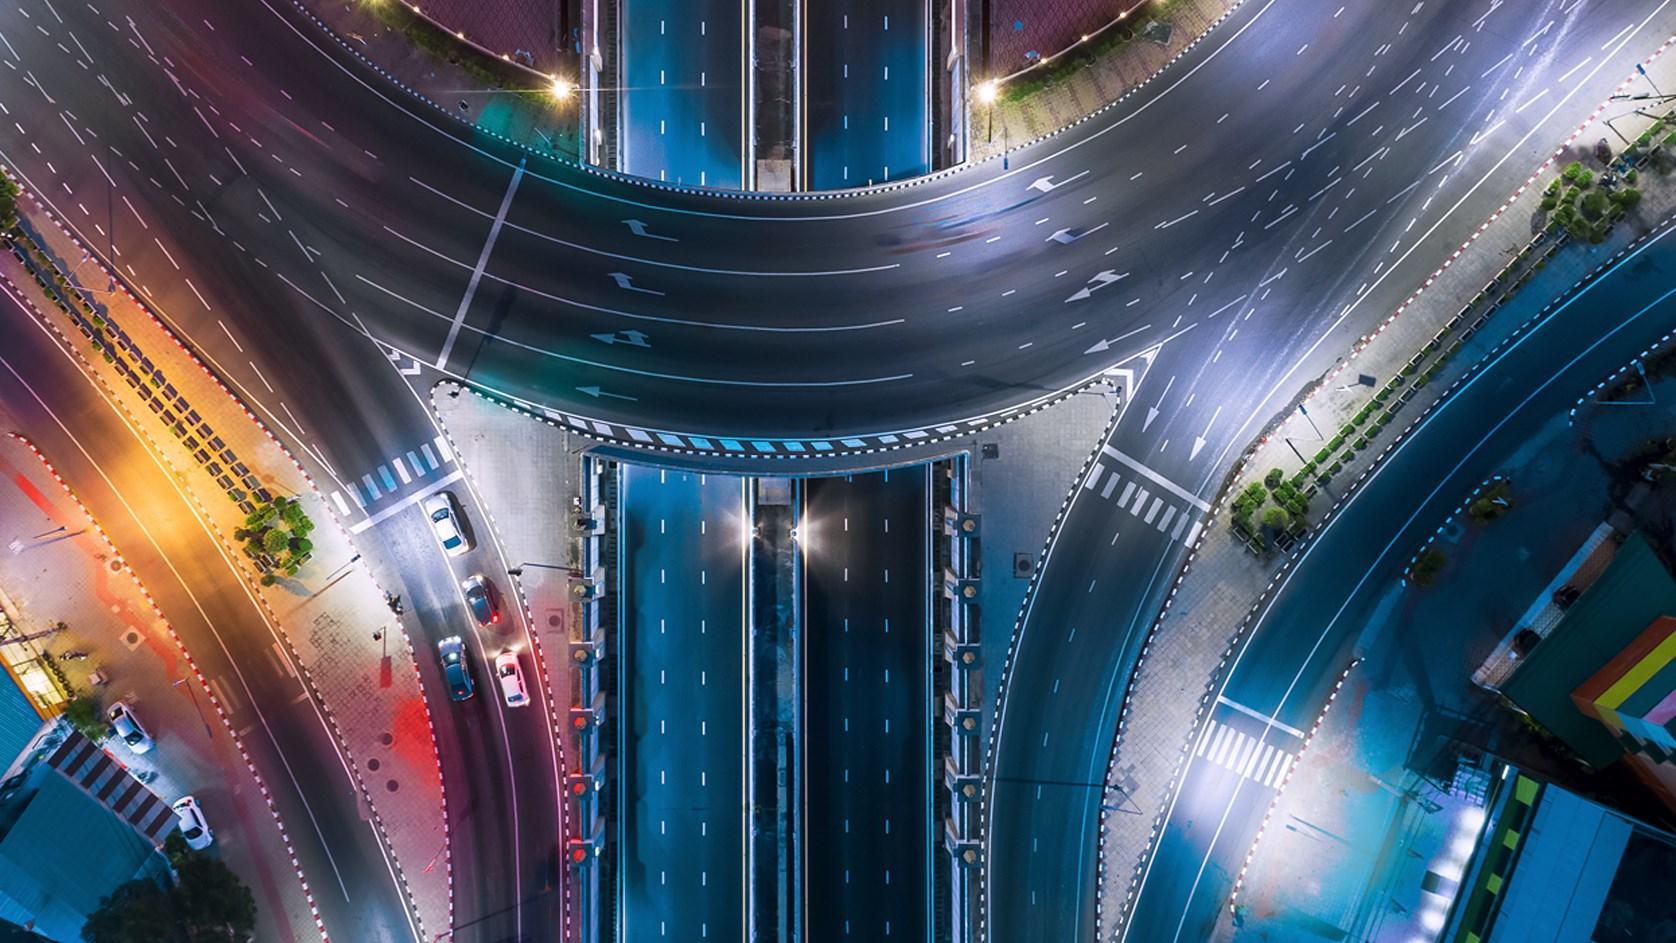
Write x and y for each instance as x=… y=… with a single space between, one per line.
x=1238 y=636
x=1274 y=801
x=1005 y=675
x=755 y=195
x=304 y=674
x=556 y=726
x=643 y=445
x=1593 y=395
x=1239 y=469
x=203 y=683
x=1447 y=520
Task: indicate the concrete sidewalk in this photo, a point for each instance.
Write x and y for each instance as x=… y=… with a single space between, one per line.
x=1222 y=582
x=59 y=567
x=331 y=613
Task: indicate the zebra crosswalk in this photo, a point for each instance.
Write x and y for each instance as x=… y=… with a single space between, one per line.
x=394 y=476
x=1145 y=500
x=1265 y=763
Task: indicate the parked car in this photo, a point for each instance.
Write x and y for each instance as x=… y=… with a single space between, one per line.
x=126 y=727
x=511 y=676
x=193 y=826
x=455 y=670
x=444 y=513
x=482 y=600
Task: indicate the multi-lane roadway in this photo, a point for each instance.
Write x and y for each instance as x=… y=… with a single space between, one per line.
x=685 y=82
x=867 y=98
x=681 y=706
x=1277 y=190
x=1305 y=635
x=867 y=717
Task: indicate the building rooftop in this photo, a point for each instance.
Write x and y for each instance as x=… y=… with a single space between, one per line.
x=1634 y=591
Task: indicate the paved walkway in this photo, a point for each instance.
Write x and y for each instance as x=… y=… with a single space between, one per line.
x=58 y=567
x=1204 y=617
x=1022 y=116
x=368 y=687
x=526 y=474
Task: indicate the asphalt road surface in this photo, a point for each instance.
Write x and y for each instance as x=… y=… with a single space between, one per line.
x=153 y=525
x=867 y=99
x=1305 y=636
x=314 y=231
x=499 y=763
x=683 y=96
x=867 y=811
x=681 y=706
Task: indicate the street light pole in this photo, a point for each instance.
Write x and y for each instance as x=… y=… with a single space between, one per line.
x=201 y=718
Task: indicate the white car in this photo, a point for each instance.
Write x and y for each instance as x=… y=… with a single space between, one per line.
x=445 y=520
x=511 y=677
x=193 y=828
x=126 y=727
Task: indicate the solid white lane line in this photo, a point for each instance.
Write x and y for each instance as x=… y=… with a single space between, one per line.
x=482 y=263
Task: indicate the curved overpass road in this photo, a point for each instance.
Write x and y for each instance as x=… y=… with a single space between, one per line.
x=1289 y=178
x=1303 y=638
x=1292 y=139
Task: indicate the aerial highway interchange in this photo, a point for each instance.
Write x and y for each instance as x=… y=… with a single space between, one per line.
x=332 y=244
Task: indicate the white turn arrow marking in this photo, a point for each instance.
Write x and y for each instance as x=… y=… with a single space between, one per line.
x=1046 y=184
x=631 y=338
x=1099 y=281
x=639 y=229
x=1067 y=236
x=625 y=281
x=596 y=393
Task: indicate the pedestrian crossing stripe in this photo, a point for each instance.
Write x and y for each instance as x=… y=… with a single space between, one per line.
x=1244 y=755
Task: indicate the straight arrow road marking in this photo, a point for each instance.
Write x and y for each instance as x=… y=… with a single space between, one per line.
x=597 y=392
x=1067 y=236
x=624 y=280
x=1046 y=184
x=1199 y=440
x=639 y=229
x=1104 y=345
x=1152 y=411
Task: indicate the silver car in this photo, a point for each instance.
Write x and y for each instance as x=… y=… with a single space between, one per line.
x=126 y=727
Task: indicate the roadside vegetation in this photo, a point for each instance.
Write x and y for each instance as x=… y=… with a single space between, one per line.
x=1057 y=70
x=276 y=537
x=204 y=901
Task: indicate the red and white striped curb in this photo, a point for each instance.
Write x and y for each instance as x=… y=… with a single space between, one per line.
x=197 y=673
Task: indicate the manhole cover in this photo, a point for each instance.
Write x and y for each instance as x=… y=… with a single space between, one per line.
x=555 y=620
x=116 y=566
x=373 y=765
x=132 y=638
x=386 y=739
x=392 y=785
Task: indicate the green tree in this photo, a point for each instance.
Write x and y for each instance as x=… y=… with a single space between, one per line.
x=207 y=903
x=275 y=541
x=1594 y=204
x=8 y=202
x=82 y=711
x=1627 y=197
x=140 y=911
x=1276 y=518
